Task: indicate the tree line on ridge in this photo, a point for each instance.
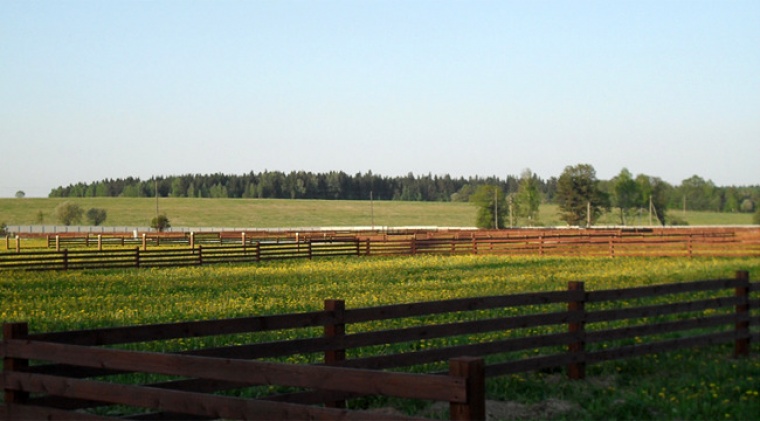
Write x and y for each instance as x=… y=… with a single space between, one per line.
x=694 y=193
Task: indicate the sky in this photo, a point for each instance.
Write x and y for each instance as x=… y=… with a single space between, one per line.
x=93 y=90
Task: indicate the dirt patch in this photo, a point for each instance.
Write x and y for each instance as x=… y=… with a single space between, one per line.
x=508 y=410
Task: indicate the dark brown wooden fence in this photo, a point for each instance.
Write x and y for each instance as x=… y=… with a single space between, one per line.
x=54 y=374
x=545 y=242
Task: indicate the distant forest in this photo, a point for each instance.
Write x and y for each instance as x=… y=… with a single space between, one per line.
x=694 y=192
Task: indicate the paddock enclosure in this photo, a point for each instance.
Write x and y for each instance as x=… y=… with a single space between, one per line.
x=77 y=251
x=437 y=350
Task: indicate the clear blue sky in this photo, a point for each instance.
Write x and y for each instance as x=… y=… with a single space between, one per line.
x=110 y=89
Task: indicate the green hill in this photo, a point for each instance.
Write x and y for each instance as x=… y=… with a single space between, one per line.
x=269 y=213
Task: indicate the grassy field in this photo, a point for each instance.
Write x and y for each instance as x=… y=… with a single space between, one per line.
x=693 y=384
x=269 y=213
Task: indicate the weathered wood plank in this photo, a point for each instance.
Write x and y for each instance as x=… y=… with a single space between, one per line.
x=32 y=412
x=381 y=337
x=659 y=309
x=659 y=328
x=442 y=354
x=396 y=311
x=245 y=372
x=525 y=365
x=164 y=331
x=181 y=402
x=659 y=290
x=661 y=346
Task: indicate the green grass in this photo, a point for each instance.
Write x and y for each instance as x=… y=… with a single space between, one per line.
x=249 y=213
x=269 y=213
x=699 y=384
x=66 y=300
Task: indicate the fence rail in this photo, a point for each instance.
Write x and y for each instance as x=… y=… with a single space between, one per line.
x=48 y=374
x=249 y=248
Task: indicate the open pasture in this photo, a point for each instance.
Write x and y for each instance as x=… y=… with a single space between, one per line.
x=273 y=213
x=667 y=386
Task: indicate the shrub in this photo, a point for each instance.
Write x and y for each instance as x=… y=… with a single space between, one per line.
x=160 y=223
x=68 y=213
x=96 y=216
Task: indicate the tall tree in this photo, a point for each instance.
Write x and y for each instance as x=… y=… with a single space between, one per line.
x=697 y=193
x=654 y=194
x=528 y=197
x=580 y=200
x=492 y=206
x=625 y=194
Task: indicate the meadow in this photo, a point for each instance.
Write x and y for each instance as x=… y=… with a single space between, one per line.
x=694 y=384
x=271 y=213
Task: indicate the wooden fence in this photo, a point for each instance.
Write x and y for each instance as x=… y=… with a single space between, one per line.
x=346 y=352
x=611 y=243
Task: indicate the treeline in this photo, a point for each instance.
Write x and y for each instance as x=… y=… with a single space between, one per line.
x=694 y=193
x=334 y=185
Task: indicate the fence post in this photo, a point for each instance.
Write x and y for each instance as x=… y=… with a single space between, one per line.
x=473 y=371
x=15 y=331
x=691 y=247
x=200 y=254
x=335 y=331
x=612 y=247
x=541 y=245
x=100 y=242
x=741 y=346
x=137 y=257
x=57 y=243
x=577 y=370
x=145 y=241
x=192 y=240
x=18 y=244
x=65 y=259
x=242 y=240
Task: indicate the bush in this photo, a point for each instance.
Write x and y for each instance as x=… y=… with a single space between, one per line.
x=68 y=213
x=96 y=216
x=160 y=223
